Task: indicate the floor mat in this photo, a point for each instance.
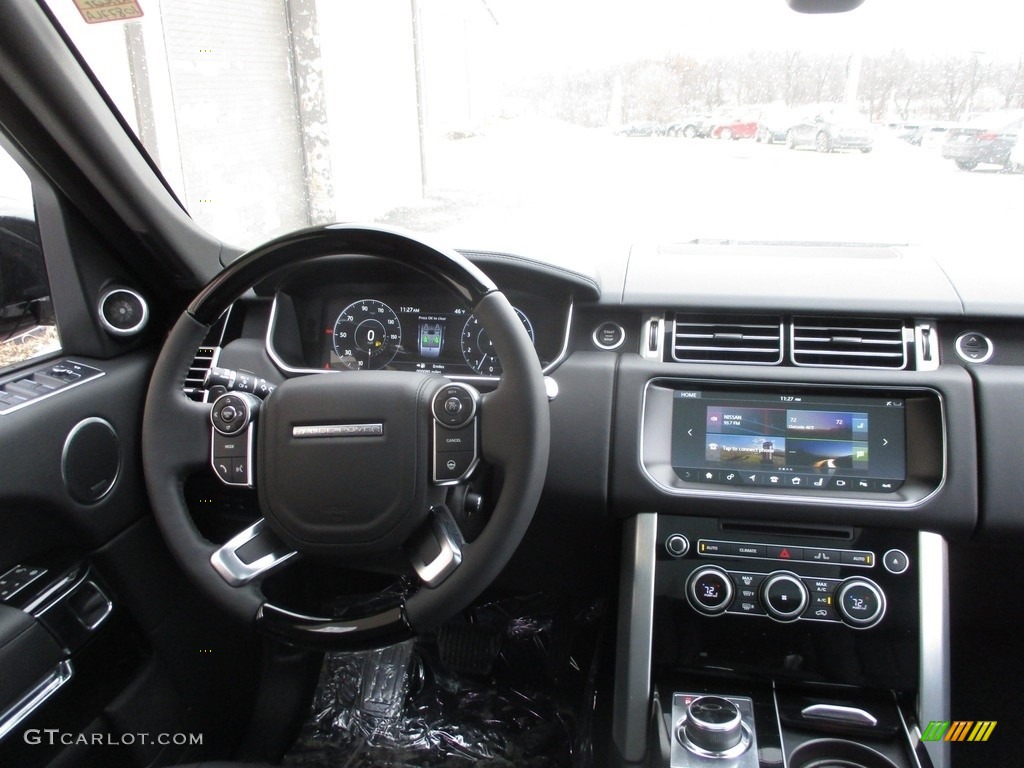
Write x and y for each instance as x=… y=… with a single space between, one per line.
x=403 y=706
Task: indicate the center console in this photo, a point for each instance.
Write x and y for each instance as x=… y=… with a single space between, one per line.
x=780 y=604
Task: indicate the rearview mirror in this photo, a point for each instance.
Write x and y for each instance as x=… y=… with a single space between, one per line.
x=823 y=6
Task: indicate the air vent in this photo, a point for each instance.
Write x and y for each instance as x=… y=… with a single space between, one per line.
x=206 y=358
x=746 y=340
x=849 y=343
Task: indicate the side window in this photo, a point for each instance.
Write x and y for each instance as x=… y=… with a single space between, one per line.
x=27 y=326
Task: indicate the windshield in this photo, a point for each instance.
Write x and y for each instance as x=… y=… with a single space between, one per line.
x=534 y=126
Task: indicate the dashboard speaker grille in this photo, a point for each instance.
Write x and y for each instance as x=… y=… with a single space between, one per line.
x=751 y=340
x=849 y=343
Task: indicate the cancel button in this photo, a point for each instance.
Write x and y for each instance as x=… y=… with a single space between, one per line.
x=456 y=440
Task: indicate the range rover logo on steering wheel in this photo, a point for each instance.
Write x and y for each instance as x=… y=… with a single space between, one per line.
x=339 y=430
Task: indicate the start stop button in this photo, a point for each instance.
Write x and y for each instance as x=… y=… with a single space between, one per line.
x=609 y=335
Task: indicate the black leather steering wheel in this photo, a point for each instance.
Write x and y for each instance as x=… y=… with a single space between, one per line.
x=344 y=462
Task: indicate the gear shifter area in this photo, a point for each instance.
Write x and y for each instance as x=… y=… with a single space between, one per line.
x=713 y=730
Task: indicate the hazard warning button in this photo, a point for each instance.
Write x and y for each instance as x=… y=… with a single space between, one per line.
x=785 y=553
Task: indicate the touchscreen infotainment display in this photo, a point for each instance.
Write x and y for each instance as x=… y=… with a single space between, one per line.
x=793 y=441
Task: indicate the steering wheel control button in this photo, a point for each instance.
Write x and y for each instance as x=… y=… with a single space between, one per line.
x=974 y=347
x=455 y=405
x=677 y=545
x=896 y=561
x=456 y=440
x=609 y=336
x=231 y=443
x=709 y=590
x=450 y=466
x=228 y=446
x=860 y=602
x=231 y=414
x=784 y=596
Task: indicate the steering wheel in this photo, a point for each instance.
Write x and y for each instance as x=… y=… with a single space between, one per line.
x=346 y=464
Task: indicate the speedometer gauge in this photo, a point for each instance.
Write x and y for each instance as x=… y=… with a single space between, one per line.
x=478 y=349
x=367 y=334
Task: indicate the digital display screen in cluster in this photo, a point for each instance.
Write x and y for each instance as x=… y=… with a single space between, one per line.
x=789 y=440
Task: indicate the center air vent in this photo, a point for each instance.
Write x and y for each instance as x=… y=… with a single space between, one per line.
x=707 y=339
x=849 y=343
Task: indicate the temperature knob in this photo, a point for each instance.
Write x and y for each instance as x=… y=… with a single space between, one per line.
x=860 y=602
x=709 y=590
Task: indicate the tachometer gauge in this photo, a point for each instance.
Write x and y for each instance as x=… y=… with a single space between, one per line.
x=367 y=334
x=478 y=349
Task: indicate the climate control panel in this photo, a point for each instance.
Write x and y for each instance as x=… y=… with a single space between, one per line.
x=789 y=574
x=786 y=596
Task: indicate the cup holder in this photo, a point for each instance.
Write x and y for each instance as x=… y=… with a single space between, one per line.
x=836 y=753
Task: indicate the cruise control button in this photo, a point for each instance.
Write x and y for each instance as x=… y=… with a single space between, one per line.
x=451 y=466
x=456 y=440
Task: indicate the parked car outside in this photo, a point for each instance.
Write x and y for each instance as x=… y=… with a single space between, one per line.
x=640 y=128
x=774 y=124
x=743 y=128
x=930 y=135
x=689 y=126
x=832 y=130
x=985 y=140
x=1017 y=155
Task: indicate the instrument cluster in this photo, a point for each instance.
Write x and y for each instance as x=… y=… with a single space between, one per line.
x=407 y=327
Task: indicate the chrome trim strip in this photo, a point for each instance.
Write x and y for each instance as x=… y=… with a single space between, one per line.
x=817 y=499
x=921 y=330
x=113 y=330
x=449 y=539
x=108 y=609
x=933 y=701
x=840 y=713
x=647 y=328
x=35 y=698
x=229 y=565
x=94 y=373
x=283 y=366
x=635 y=637
x=339 y=430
